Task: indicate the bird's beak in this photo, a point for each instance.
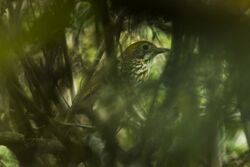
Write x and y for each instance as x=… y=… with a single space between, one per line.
x=155 y=52
x=160 y=50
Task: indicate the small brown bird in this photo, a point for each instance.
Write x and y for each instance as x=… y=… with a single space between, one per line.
x=136 y=61
x=133 y=68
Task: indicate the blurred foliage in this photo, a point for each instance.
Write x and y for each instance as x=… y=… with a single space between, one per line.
x=62 y=103
x=7 y=157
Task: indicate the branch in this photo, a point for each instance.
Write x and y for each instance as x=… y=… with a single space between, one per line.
x=12 y=140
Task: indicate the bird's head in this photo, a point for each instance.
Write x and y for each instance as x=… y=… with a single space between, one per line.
x=142 y=50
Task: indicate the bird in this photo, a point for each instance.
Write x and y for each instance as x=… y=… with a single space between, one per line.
x=136 y=61
x=107 y=103
x=133 y=69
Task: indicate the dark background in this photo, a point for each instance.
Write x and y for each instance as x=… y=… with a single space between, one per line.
x=193 y=111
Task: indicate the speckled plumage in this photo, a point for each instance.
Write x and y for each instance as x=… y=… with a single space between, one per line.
x=136 y=63
x=135 y=70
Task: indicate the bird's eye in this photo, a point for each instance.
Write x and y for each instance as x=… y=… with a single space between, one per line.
x=145 y=47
